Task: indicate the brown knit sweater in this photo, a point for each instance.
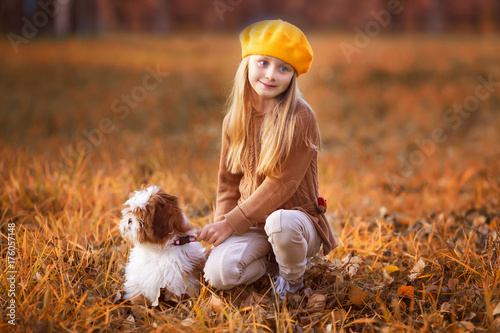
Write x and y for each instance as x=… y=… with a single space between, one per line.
x=246 y=200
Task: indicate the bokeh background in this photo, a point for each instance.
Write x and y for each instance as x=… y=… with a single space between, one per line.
x=388 y=80
x=99 y=97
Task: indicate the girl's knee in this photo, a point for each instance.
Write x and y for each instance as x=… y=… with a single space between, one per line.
x=281 y=226
x=273 y=223
x=234 y=263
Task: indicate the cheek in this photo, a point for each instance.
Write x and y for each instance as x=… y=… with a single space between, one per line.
x=287 y=78
x=253 y=80
x=252 y=76
x=285 y=81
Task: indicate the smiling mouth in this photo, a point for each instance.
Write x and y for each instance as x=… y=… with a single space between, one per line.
x=268 y=86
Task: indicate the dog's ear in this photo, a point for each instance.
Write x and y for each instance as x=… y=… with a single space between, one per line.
x=163 y=219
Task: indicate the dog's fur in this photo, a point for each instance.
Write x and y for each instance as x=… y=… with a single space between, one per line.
x=151 y=220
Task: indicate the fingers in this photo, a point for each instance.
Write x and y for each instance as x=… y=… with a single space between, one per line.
x=201 y=234
x=207 y=234
x=219 y=241
x=215 y=233
x=222 y=236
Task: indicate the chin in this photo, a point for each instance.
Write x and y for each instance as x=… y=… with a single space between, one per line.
x=165 y=256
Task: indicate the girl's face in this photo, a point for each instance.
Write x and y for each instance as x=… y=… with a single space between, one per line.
x=269 y=76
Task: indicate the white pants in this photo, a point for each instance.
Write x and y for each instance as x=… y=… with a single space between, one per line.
x=244 y=259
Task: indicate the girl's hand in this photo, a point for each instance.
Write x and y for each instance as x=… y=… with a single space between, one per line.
x=215 y=233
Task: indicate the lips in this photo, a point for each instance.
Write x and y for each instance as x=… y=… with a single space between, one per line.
x=267 y=86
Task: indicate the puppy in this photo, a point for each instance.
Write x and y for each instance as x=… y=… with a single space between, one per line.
x=165 y=253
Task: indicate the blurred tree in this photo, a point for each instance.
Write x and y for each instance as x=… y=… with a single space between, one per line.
x=11 y=12
x=487 y=10
x=435 y=22
x=62 y=17
x=85 y=16
x=90 y=16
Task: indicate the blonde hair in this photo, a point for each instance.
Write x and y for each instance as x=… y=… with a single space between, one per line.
x=277 y=134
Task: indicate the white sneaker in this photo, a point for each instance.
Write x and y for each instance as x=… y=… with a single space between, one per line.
x=282 y=286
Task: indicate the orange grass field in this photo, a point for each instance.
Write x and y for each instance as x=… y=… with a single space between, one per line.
x=410 y=166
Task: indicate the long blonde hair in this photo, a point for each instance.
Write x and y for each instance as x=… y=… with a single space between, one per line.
x=277 y=134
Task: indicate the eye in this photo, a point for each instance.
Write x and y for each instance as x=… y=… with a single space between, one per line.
x=129 y=221
x=284 y=68
x=263 y=63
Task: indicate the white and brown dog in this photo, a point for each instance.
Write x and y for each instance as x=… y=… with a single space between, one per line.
x=165 y=253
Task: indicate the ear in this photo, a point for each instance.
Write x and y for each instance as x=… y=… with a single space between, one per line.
x=163 y=218
x=169 y=217
x=169 y=221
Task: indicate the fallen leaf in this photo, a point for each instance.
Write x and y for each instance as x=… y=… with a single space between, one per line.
x=117 y=298
x=352 y=269
x=406 y=291
x=496 y=311
x=496 y=324
x=470 y=316
x=304 y=321
x=349 y=259
x=452 y=283
x=295 y=300
x=356 y=260
x=339 y=315
x=308 y=291
x=416 y=271
x=445 y=307
x=255 y=299
x=215 y=302
x=357 y=296
x=467 y=325
x=390 y=269
x=387 y=278
x=316 y=303
x=431 y=288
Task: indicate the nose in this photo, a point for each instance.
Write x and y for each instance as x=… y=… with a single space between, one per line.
x=271 y=73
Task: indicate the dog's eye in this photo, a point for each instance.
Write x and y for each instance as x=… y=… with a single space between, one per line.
x=129 y=221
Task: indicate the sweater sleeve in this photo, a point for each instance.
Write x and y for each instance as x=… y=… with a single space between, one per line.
x=228 y=183
x=276 y=191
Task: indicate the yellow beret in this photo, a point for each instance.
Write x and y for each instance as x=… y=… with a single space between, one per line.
x=279 y=39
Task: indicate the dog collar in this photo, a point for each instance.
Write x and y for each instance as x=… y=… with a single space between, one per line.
x=184 y=240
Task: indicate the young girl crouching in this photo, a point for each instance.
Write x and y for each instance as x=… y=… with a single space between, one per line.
x=268 y=210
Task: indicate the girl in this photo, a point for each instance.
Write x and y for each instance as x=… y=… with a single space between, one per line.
x=268 y=208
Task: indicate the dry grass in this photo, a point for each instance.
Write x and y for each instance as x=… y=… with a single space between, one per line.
x=418 y=226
